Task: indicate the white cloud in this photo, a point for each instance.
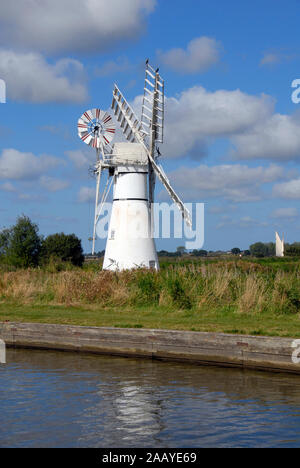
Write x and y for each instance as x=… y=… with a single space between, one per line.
x=289 y=190
x=57 y=130
x=81 y=158
x=201 y=53
x=30 y=78
x=270 y=59
x=71 y=25
x=237 y=183
x=7 y=187
x=21 y=166
x=197 y=115
x=217 y=209
x=275 y=58
x=277 y=138
x=52 y=184
x=30 y=197
x=285 y=213
x=121 y=65
x=86 y=194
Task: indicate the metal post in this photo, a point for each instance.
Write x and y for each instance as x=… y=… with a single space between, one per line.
x=96 y=201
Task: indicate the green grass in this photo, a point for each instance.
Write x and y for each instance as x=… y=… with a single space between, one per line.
x=223 y=320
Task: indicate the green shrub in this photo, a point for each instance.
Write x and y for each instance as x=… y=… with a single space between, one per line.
x=63 y=247
x=149 y=287
x=179 y=295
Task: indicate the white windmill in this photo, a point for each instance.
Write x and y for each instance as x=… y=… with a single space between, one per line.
x=279 y=245
x=133 y=167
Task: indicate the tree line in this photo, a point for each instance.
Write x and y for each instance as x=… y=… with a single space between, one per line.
x=261 y=249
x=21 y=246
x=258 y=249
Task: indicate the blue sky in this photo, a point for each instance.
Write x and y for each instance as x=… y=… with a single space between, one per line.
x=232 y=130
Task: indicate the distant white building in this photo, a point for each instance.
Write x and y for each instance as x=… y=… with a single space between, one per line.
x=279 y=245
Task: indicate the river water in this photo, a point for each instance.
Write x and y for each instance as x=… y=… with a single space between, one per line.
x=56 y=399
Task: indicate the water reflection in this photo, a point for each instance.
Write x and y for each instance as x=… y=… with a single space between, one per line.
x=51 y=399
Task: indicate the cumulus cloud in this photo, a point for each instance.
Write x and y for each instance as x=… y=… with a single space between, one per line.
x=81 y=158
x=30 y=78
x=86 y=194
x=121 y=65
x=285 y=213
x=289 y=190
x=31 y=197
x=71 y=25
x=57 y=130
x=201 y=53
x=275 y=58
x=52 y=184
x=16 y=165
x=217 y=209
x=7 y=187
x=270 y=59
x=197 y=115
x=237 y=183
x=277 y=138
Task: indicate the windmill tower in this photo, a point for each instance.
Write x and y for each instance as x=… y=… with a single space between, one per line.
x=132 y=167
x=279 y=245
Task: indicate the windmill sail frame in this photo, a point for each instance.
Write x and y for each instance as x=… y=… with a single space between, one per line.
x=133 y=167
x=153 y=107
x=135 y=130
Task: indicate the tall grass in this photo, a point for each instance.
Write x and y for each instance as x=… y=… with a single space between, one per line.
x=246 y=287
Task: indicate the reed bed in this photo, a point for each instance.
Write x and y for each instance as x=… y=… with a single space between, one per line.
x=244 y=287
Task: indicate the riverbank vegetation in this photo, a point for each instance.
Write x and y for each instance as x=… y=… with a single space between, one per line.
x=260 y=296
x=47 y=280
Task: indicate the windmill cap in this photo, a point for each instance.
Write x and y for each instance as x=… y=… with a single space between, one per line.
x=124 y=153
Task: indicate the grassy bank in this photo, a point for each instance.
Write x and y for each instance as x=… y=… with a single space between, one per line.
x=225 y=296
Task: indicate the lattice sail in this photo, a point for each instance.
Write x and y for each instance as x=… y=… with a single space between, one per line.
x=129 y=123
x=165 y=181
x=153 y=108
x=151 y=125
x=132 y=129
